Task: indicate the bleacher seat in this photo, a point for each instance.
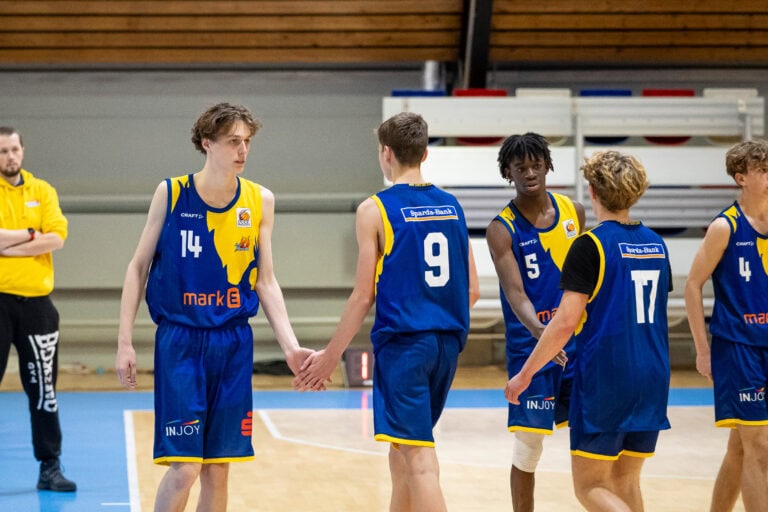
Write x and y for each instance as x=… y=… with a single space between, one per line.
x=605 y=92
x=671 y=141
x=422 y=93
x=546 y=92
x=479 y=141
x=728 y=93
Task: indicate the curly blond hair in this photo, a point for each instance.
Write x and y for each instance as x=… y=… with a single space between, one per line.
x=617 y=179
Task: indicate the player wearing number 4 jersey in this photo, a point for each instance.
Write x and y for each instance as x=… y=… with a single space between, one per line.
x=734 y=253
x=416 y=263
x=615 y=278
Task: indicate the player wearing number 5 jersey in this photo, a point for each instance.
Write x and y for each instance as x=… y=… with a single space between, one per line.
x=734 y=253
x=528 y=242
x=615 y=282
x=416 y=264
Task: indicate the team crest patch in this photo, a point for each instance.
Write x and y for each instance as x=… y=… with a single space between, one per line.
x=570 y=228
x=244 y=244
x=243 y=217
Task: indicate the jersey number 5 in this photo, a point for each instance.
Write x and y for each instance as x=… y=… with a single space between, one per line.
x=436 y=257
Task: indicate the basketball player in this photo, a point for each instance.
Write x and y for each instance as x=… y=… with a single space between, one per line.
x=615 y=282
x=415 y=262
x=734 y=253
x=528 y=242
x=206 y=257
x=32 y=226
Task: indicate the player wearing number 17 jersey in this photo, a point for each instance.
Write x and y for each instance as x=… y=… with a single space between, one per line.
x=615 y=283
x=416 y=264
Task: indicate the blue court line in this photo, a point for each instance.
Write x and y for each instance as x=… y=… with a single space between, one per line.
x=94 y=439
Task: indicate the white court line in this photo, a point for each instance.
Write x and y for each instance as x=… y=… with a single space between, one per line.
x=130 y=456
x=275 y=432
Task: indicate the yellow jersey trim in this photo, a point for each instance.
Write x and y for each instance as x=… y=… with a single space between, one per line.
x=166 y=461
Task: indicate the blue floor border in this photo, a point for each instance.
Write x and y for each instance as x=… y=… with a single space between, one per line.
x=94 y=439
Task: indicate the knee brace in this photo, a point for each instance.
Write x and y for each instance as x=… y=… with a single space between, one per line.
x=527 y=451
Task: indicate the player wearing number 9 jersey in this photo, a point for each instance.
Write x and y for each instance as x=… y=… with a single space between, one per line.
x=416 y=264
x=422 y=277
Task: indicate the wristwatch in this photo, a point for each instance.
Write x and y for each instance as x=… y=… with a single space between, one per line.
x=31 y=232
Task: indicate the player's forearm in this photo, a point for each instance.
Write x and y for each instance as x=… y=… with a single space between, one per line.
x=129 y=303
x=526 y=313
x=694 y=306
x=273 y=304
x=553 y=339
x=351 y=321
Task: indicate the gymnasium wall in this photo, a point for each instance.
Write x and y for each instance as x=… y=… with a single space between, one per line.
x=105 y=139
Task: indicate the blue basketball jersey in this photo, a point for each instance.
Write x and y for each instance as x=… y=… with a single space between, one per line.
x=540 y=253
x=740 y=282
x=622 y=377
x=206 y=262
x=422 y=277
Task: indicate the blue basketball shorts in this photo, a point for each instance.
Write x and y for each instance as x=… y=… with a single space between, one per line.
x=739 y=375
x=203 y=394
x=544 y=403
x=411 y=378
x=612 y=445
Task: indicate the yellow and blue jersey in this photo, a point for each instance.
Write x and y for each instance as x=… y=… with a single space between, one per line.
x=422 y=276
x=622 y=377
x=740 y=282
x=205 y=266
x=540 y=254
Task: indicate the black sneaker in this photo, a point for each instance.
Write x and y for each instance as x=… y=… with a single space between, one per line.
x=51 y=478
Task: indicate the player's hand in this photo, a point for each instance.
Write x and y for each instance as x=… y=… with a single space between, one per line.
x=515 y=386
x=704 y=365
x=315 y=372
x=561 y=358
x=296 y=358
x=125 y=364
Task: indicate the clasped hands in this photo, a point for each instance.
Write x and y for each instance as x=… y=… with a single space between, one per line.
x=313 y=370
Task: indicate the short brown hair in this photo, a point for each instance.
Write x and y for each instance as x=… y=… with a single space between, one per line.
x=218 y=120
x=10 y=130
x=617 y=179
x=746 y=155
x=406 y=134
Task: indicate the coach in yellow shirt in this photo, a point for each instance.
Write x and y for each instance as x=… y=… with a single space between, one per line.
x=31 y=228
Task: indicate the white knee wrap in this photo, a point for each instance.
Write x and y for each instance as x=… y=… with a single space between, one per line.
x=527 y=451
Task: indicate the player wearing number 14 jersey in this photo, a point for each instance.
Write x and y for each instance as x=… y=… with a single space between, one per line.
x=205 y=258
x=415 y=263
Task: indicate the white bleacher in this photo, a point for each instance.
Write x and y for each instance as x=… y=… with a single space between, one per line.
x=578 y=118
x=689 y=184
